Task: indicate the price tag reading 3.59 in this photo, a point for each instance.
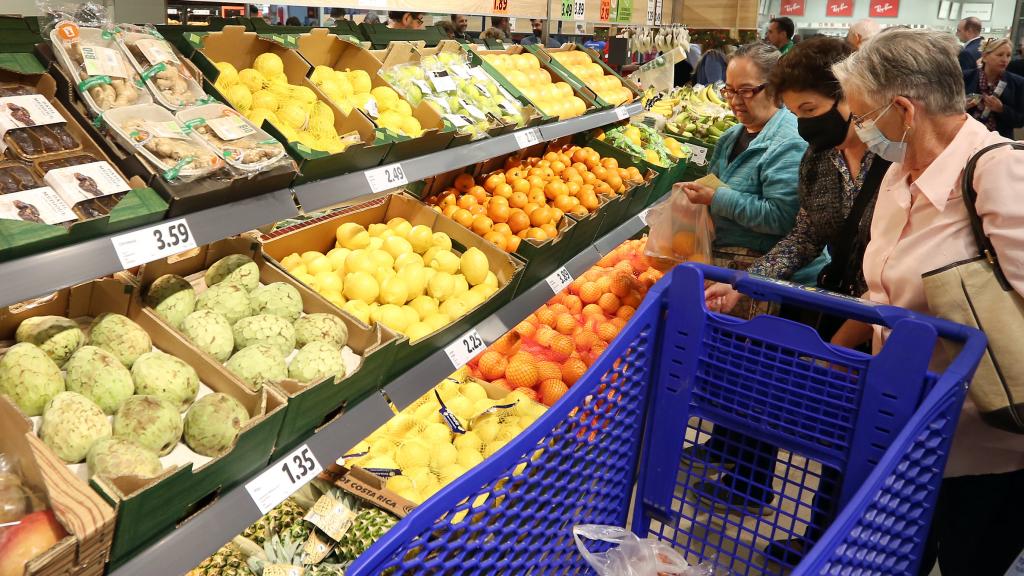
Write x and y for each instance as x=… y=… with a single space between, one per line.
x=465 y=348
x=282 y=480
x=386 y=178
x=559 y=280
x=153 y=243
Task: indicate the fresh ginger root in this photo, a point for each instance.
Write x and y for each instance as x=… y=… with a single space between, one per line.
x=171 y=82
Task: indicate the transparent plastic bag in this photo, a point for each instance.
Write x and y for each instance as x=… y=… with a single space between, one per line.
x=160 y=67
x=631 y=555
x=681 y=231
x=28 y=527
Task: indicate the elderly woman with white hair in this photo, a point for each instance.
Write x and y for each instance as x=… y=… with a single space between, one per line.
x=861 y=31
x=905 y=91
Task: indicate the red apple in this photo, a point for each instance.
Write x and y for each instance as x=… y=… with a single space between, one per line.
x=35 y=534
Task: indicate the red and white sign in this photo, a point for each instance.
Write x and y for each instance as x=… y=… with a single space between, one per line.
x=884 y=8
x=839 y=8
x=792 y=8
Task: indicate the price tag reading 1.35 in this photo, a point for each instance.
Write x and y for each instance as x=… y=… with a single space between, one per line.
x=283 y=478
x=559 y=280
x=465 y=348
x=526 y=138
x=153 y=243
x=386 y=178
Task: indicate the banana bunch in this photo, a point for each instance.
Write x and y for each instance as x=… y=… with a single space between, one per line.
x=701 y=114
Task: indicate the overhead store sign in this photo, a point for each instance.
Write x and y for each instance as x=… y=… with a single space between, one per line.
x=606 y=10
x=625 y=13
x=839 y=8
x=980 y=10
x=884 y=8
x=792 y=8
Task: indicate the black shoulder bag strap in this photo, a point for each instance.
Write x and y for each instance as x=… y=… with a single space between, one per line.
x=985 y=248
x=834 y=277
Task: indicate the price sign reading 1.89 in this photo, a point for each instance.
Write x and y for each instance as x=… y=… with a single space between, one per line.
x=386 y=178
x=152 y=243
x=500 y=7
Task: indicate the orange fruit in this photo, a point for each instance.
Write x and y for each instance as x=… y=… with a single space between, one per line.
x=537 y=196
x=503 y=191
x=622 y=284
x=464 y=182
x=604 y=283
x=502 y=228
x=466 y=201
x=550 y=230
x=496 y=238
x=498 y=212
x=625 y=312
x=572 y=370
x=610 y=163
x=557 y=307
x=562 y=347
x=482 y=224
x=521 y=373
x=525 y=328
x=558 y=166
x=463 y=216
x=551 y=391
x=634 y=174
x=593 y=310
x=540 y=216
x=614 y=181
x=477 y=210
x=618 y=322
x=579 y=156
x=479 y=193
x=507 y=345
x=449 y=209
x=589 y=178
x=585 y=340
x=512 y=244
x=503 y=383
x=565 y=323
x=518 y=199
x=589 y=200
x=573 y=303
x=537 y=234
x=547 y=316
x=493 y=180
x=632 y=299
x=589 y=293
x=520 y=185
x=518 y=220
x=597 y=350
x=548 y=369
x=545 y=335
x=607 y=331
x=492 y=365
x=609 y=303
x=600 y=172
x=551 y=157
x=529 y=393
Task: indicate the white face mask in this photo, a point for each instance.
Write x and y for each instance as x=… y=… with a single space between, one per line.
x=877 y=142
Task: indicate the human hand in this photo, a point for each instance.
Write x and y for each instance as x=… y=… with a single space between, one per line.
x=994 y=104
x=721 y=297
x=698 y=193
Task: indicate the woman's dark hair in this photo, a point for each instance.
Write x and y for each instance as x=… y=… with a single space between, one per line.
x=293 y=21
x=808 y=67
x=447 y=27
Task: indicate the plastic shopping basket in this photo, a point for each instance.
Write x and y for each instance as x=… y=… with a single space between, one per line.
x=675 y=423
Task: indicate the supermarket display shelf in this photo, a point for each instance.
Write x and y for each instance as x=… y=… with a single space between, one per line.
x=39 y=274
x=234 y=510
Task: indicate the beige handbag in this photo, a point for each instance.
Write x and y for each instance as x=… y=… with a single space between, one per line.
x=976 y=293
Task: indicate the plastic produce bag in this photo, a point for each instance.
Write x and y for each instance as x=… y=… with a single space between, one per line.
x=681 y=231
x=631 y=556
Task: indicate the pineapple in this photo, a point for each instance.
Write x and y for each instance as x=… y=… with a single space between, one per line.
x=369 y=525
x=284 y=519
x=227 y=561
x=278 y=549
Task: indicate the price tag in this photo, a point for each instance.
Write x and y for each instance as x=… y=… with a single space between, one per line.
x=650 y=14
x=527 y=138
x=500 y=7
x=621 y=113
x=442 y=81
x=465 y=348
x=282 y=480
x=567 y=9
x=579 y=10
x=386 y=177
x=559 y=280
x=698 y=154
x=153 y=243
x=605 y=11
x=643 y=216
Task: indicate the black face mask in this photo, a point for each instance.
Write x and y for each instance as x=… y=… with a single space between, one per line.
x=825 y=131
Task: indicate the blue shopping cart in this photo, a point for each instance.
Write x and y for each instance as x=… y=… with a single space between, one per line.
x=672 y=426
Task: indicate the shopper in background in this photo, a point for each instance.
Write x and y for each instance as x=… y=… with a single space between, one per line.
x=399 y=20
x=293 y=21
x=907 y=102
x=780 y=33
x=710 y=68
x=371 y=18
x=537 y=34
x=501 y=23
x=337 y=15
x=460 y=23
x=968 y=31
x=999 y=108
x=494 y=33
x=861 y=31
x=448 y=28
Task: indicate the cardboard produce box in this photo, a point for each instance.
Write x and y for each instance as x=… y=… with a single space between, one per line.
x=139 y=205
x=150 y=508
x=310 y=405
x=547 y=55
x=87 y=519
x=380 y=35
x=240 y=48
x=319 y=235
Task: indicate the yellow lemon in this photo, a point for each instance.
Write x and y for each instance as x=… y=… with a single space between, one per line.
x=361 y=286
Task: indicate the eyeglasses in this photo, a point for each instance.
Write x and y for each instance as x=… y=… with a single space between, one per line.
x=746 y=92
x=858 y=121
x=418 y=19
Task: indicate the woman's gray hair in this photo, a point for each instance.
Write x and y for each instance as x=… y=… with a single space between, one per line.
x=914 y=63
x=763 y=55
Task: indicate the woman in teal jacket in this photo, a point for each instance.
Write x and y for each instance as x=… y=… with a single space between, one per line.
x=758 y=163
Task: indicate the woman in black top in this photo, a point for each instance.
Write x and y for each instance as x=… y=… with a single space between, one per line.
x=1001 y=109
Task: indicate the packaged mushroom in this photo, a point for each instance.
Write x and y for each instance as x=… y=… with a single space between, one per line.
x=160 y=66
x=30 y=127
x=107 y=80
x=233 y=137
x=173 y=149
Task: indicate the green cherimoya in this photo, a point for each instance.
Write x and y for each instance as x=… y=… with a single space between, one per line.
x=265 y=329
x=29 y=377
x=279 y=298
x=172 y=297
x=71 y=424
x=116 y=457
x=167 y=377
x=58 y=336
x=120 y=336
x=234 y=269
x=98 y=375
x=210 y=332
x=213 y=423
x=151 y=421
x=316 y=361
x=258 y=365
x=321 y=327
x=228 y=300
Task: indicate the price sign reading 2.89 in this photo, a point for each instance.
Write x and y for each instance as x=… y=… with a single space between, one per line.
x=386 y=177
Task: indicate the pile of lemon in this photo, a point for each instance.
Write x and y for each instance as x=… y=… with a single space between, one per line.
x=607 y=86
x=403 y=276
x=524 y=72
x=353 y=89
x=263 y=93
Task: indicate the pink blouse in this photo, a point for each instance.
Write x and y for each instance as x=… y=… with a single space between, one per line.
x=920 y=226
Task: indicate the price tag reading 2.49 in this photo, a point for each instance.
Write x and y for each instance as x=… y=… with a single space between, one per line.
x=386 y=178
x=465 y=348
x=153 y=243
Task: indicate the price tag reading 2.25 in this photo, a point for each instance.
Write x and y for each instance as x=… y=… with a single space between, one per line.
x=282 y=480
x=559 y=280
x=465 y=348
x=386 y=178
x=153 y=243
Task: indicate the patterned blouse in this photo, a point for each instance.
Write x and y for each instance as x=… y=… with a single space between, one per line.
x=827 y=191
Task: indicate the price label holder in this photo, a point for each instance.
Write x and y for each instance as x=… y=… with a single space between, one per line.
x=621 y=113
x=153 y=243
x=559 y=280
x=386 y=177
x=285 y=477
x=465 y=348
x=527 y=138
x=698 y=154
x=643 y=216
x=579 y=10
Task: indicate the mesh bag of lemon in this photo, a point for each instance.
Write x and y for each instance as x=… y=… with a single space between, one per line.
x=607 y=86
x=465 y=96
x=263 y=92
x=349 y=89
x=444 y=434
x=646 y=143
